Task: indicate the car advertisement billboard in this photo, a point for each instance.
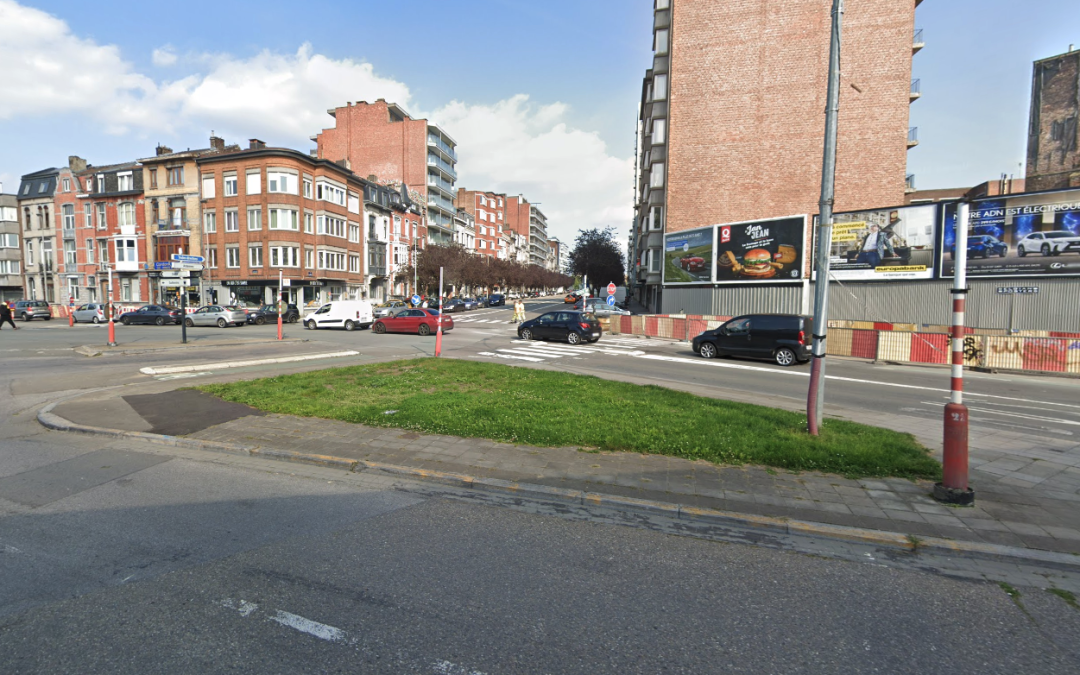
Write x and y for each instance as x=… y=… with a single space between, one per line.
x=1033 y=234
x=761 y=250
x=688 y=256
x=894 y=243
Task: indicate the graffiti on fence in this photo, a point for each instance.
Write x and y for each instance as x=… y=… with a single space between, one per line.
x=973 y=353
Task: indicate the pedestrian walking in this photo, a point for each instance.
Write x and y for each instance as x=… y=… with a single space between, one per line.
x=5 y=316
x=519 y=311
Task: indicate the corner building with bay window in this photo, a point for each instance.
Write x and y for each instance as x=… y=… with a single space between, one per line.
x=267 y=211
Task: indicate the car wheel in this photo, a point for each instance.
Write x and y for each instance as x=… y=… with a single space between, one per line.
x=160 y=321
x=96 y=320
x=293 y=319
x=1045 y=250
x=1003 y=253
x=985 y=253
x=25 y=316
x=708 y=350
x=310 y=325
x=424 y=329
x=260 y=320
x=349 y=325
x=189 y=323
x=126 y=321
x=379 y=328
x=1020 y=251
x=222 y=323
x=573 y=338
x=784 y=357
x=525 y=334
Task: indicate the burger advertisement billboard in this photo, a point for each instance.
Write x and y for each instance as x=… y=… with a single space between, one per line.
x=1033 y=234
x=761 y=250
x=895 y=243
x=688 y=256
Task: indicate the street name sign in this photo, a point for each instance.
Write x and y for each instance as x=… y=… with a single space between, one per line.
x=180 y=257
x=194 y=267
x=172 y=283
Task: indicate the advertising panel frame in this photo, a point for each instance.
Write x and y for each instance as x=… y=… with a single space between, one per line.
x=802 y=249
x=1010 y=219
x=906 y=245
x=683 y=255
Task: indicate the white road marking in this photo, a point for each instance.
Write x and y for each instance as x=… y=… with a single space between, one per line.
x=1023 y=416
x=511 y=356
x=534 y=352
x=313 y=628
x=163 y=370
x=180 y=376
x=449 y=668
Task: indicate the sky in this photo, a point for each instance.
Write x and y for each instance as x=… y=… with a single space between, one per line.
x=540 y=96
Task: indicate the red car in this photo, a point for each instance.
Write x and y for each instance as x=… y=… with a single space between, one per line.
x=692 y=264
x=419 y=321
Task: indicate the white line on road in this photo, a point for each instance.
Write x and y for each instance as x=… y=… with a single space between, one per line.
x=511 y=356
x=1023 y=416
x=534 y=352
x=314 y=628
x=162 y=370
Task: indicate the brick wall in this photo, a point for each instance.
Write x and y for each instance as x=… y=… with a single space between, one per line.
x=1053 y=155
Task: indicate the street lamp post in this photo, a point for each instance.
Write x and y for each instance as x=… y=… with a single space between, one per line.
x=280 y=302
x=110 y=310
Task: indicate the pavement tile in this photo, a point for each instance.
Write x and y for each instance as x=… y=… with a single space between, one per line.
x=1062 y=532
x=905 y=516
x=867 y=511
x=893 y=505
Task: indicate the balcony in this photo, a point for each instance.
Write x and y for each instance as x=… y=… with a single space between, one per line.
x=916 y=90
x=912 y=137
x=440 y=184
x=917 y=41
x=909 y=183
x=127 y=266
x=441 y=203
x=442 y=165
x=443 y=146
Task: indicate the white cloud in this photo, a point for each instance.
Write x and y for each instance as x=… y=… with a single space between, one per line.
x=513 y=146
x=164 y=57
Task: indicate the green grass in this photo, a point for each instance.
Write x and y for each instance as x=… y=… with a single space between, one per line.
x=545 y=408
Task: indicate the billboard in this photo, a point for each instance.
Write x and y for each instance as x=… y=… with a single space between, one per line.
x=688 y=256
x=1035 y=234
x=761 y=250
x=894 y=243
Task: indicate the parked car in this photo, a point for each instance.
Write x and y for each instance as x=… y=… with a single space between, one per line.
x=216 y=315
x=601 y=309
x=347 y=314
x=419 y=321
x=453 y=305
x=28 y=310
x=496 y=300
x=692 y=263
x=574 y=327
x=470 y=304
x=269 y=313
x=571 y=298
x=481 y=301
x=390 y=308
x=91 y=312
x=983 y=246
x=159 y=315
x=781 y=338
x=1054 y=242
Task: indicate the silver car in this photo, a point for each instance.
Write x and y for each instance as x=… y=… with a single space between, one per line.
x=600 y=308
x=216 y=315
x=390 y=309
x=91 y=312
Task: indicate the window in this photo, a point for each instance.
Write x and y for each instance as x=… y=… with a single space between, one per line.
x=480 y=243
x=654 y=260
x=331 y=226
x=176 y=175
x=280 y=181
x=67 y=185
x=656 y=218
x=125 y=182
x=284 y=219
x=254 y=219
x=103 y=247
x=331 y=260
x=26 y=189
x=211 y=257
x=483 y=201
x=102 y=223
x=125 y=290
x=229 y=180
x=90 y=251
x=178 y=213
x=662 y=4
x=255 y=255
x=329 y=192
x=656 y=175
x=253 y=184
x=660 y=87
x=284 y=256
x=42 y=187
x=9 y=266
x=29 y=253
x=354 y=203
x=307 y=187
x=354 y=232
x=101 y=182
x=500 y=202
x=208 y=186
x=232 y=256
x=659 y=131
x=354 y=264
x=660 y=45
x=125 y=214
x=153 y=177
x=69 y=252
x=309 y=223
x=210 y=221
x=9 y=241
x=125 y=251
x=67 y=213
x=232 y=221
x=88 y=216
x=309 y=258
x=89 y=184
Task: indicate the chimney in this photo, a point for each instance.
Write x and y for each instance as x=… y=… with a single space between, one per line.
x=217 y=144
x=76 y=163
x=163 y=150
x=256 y=144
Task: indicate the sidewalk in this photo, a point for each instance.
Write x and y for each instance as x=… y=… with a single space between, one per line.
x=1027 y=493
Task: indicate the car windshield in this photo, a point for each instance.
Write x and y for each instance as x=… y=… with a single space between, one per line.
x=1059 y=235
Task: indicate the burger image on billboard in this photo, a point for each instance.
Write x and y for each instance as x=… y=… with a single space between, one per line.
x=761 y=250
x=758 y=263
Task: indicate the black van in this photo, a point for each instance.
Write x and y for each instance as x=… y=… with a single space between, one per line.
x=782 y=338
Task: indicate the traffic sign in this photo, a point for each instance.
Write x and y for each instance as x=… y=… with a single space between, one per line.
x=175 y=274
x=415 y=299
x=180 y=257
x=163 y=265
x=194 y=267
x=611 y=300
x=611 y=289
x=172 y=283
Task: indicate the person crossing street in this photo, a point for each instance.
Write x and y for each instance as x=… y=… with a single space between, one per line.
x=519 y=311
x=5 y=315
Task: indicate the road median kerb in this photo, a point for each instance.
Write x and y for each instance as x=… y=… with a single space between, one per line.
x=881 y=538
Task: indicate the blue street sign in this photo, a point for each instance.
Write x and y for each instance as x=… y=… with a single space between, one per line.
x=180 y=257
x=159 y=265
x=611 y=300
x=416 y=299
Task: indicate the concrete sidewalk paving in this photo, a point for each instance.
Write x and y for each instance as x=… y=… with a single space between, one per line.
x=1027 y=488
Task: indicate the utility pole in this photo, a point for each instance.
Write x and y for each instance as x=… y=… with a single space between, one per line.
x=280 y=301
x=111 y=311
x=816 y=396
x=953 y=488
x=438 y=325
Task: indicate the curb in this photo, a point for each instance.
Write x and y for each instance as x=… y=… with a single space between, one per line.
x=881 y=538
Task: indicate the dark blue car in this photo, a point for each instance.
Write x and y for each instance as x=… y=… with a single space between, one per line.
x=983 y=246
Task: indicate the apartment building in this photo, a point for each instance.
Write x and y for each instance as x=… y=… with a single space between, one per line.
x=11 y=282
x=1053 y=150
x=112 y=207
x=538 y=243
x=37 y=233
x=731 y=118
x=383 y=143
x=465 y=230
x=488 y=210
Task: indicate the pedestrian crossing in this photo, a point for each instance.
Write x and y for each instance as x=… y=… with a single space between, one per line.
x=540 y=352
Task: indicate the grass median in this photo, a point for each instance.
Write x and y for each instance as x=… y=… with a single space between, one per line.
x=546 y=408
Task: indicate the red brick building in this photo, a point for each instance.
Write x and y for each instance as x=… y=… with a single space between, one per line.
x=488 y=210
x=1053 y=152
x=382 y=142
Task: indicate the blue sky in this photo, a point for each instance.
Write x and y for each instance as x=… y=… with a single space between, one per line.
x=541 y=96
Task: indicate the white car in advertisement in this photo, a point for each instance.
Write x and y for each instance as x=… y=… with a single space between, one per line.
x=1054 y=242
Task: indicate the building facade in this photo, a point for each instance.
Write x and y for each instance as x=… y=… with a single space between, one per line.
x=37 y=233
x=384 y=143
x=1053 y=151
x=11 y=281
x=488 y=210
x=538 y=244
x=113 y=197
x=731 y=124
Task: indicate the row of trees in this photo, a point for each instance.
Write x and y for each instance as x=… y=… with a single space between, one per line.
x=462 y=269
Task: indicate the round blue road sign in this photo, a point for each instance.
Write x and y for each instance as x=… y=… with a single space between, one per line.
x=416 y=299
x=611 y=300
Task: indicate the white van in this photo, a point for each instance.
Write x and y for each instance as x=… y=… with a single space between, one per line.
x=347 y=314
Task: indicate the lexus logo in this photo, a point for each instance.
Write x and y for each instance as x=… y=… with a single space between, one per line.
x=1057 y=266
